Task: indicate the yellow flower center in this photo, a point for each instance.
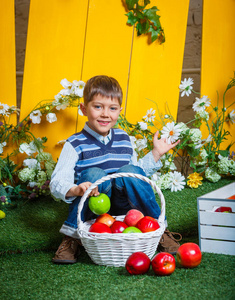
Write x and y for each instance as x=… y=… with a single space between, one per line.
x=171 y=132
x=1 y=107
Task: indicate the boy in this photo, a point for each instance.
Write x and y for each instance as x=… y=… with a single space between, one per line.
x=96 y=151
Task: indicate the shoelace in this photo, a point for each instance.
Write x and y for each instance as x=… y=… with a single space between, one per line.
x=171 y=235
x=67 y=242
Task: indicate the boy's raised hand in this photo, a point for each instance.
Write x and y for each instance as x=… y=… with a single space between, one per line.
x=160 y=146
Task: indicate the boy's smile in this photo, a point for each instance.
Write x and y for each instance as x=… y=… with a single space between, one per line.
x=102 y=113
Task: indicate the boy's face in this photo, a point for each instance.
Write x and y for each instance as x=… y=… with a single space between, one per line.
x=102 y=113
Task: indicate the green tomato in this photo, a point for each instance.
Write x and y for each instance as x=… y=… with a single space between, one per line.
x=132 y=229
x=99 y=204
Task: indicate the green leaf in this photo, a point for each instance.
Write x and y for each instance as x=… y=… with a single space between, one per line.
x=152 y=16
x=131 y=3
x=224 y=153
x=131 y=18
x=142 y=28
x=154 y=33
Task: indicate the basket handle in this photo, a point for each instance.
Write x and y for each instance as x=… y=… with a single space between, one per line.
x=161 y=218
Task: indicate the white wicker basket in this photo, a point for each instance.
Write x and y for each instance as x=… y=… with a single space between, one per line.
x=114 y=249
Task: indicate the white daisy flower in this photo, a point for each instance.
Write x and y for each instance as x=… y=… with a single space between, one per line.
x=231 y=116
x=177 y=182
x=78 y=88
x=51 y=117
x=201 y=103
x=171 y=132
x=143 y=125
x=208 y=139
x=4 y=109
x=186 y=87
x=35 y=116
x=1 y=147
x=66 y=84
x=80 y=111
x=149 y=117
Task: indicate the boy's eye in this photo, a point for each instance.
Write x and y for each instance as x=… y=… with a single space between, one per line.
x=113 y=108
x=97 y=106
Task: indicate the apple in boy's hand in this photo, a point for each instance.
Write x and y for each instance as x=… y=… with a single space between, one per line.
x=147 y=224
x=132 y=229
x=118 y=227
x=100 y=228
x=138 y=263
x=189 y=255
x=99 y=204
x=105 y=219
x=163 y=264
x=132 y=217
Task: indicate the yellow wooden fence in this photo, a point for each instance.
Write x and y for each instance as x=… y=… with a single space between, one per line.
x=77 y=39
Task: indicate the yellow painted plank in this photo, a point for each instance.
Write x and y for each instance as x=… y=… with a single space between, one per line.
x=156 y=69
x=54 y=51
x=218 y=55
x=7 y=52
x=108 y=42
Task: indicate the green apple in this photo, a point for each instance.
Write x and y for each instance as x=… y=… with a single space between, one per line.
x=131 y=229
x=99 y=204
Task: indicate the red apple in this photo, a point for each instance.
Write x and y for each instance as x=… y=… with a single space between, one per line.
x=163 y=264
x=132 y=217
x=105 y=219
x=100 y=228
x=224 y=209
x=189 y=255
x=138 y=263
x=118 y=227
x=147 y=224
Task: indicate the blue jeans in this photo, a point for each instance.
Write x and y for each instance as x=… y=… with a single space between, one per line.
x=125 y=193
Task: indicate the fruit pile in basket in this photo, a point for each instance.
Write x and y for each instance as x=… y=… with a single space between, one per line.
x=134 y=221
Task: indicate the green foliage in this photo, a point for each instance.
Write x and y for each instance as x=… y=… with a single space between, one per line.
x=145 y=20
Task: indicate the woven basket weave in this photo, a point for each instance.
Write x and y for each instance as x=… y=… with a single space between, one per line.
x=114 y=249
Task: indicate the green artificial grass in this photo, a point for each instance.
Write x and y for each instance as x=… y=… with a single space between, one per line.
x=29 y=235
x=33 y=276
x=34 y=225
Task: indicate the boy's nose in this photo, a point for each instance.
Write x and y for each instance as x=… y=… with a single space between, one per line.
x=105 y=112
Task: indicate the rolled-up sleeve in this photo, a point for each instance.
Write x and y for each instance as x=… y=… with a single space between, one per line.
x=62 y=179
x=147 y=163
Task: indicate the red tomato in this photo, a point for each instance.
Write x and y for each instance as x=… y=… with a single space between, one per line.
x=189 y=255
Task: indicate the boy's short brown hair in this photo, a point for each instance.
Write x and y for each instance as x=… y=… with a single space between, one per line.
x=102 y=85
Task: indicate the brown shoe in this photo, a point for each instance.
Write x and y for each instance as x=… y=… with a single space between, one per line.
x=168 y=243
x=67 y=252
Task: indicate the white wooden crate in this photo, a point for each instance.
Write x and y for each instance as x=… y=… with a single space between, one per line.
x=217 y=229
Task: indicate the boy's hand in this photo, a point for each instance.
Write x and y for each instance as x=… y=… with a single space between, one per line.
x=160 y=146
x=80 y=189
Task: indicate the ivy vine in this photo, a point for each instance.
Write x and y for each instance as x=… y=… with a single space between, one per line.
x=145 y=20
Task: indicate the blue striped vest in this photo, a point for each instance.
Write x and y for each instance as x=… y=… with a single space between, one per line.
x=92 y=153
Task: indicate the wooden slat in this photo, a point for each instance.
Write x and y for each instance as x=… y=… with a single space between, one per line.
x=7 y=52
x=215 y=218
x=220 y=233
x=156 y=69
x=108 y=42
x=221 y=247
x=218 y=59
x=54 y=51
